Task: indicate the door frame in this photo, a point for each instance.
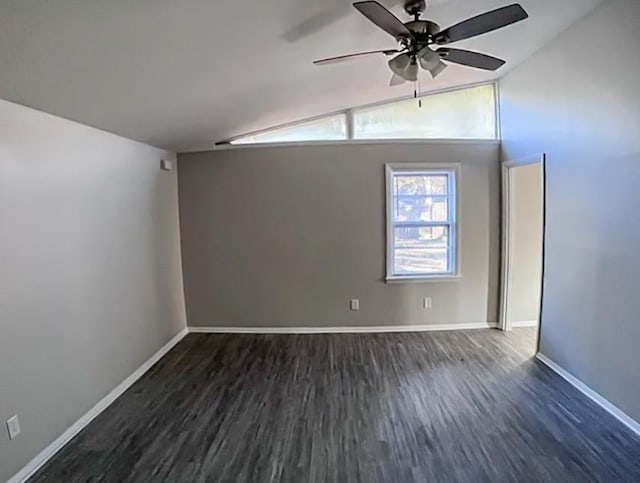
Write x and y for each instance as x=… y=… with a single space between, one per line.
x=506 y=246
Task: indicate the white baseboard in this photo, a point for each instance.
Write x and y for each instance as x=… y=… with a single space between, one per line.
x=628 y=421
x=525 y=323
x=341 y=330
x=36 y=463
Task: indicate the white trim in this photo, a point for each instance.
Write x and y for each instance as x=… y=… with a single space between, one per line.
x=372 y=329
x=350 y=123
x=424 y=279
x=498 y=118
x=342 y=142
x=506 y=248
x=538 y=158
x=41 y=458
x=453 y=173
x=628 y=421
x=525 y=323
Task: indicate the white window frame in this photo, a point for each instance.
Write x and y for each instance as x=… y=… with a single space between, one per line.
x=452 y=170
x=349 y=117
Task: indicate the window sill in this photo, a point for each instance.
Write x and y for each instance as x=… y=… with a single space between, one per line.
x=424 y=279
x=373 y=141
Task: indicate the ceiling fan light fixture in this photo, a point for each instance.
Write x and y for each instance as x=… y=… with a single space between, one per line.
x=396 y=80
x=399 y=63
x=404 y=66
x=428 y=58
x=438 y=69
x=412 y=72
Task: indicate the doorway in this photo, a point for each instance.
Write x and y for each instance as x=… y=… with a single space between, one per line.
x=522 y=243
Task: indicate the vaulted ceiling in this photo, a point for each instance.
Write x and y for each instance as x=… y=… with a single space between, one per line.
x=182 y=74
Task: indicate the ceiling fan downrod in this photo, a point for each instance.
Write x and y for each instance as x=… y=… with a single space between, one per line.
x=415 y=8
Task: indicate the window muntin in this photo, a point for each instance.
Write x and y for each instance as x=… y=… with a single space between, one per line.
x=461 y=114
x=330 y=128
x=421 y=222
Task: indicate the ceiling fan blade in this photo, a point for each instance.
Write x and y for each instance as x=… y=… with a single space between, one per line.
x=471 y=59
x=487 y=22
x=342 y=58
x=396 y=80
x=403 y=66
x=384 y=19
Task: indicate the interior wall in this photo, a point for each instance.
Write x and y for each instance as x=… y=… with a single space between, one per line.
x=286 y=236
x=90 y=271
x=578 y=101
x=525 y=242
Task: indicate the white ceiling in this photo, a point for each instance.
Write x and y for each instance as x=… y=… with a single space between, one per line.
x=181 y=74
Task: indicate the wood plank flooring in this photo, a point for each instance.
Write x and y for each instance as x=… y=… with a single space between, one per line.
x=465 y=406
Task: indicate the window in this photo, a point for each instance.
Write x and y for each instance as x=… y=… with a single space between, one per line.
x=468 y=113
x=326 y=129
x=421 y=222
x=462 y=114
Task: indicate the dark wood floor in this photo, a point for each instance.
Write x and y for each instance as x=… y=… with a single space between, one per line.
x=470 y=406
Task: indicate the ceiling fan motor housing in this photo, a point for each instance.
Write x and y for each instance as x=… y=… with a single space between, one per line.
x=423 y=30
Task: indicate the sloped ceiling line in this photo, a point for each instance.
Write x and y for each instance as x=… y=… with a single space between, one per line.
x=180 y=74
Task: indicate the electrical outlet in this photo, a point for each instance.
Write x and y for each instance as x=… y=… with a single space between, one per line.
x=426 y=303
x=355 y=305
x=13 y=426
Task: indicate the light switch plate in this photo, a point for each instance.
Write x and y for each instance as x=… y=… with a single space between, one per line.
x=13 y=426
x=426 y=303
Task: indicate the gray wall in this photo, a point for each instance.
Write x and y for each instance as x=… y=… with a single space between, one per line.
x=285 y=236
x=90 y=276
x=578 y=100
x=526 y=242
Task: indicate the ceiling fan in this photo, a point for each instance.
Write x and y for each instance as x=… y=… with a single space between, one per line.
x=416 y=37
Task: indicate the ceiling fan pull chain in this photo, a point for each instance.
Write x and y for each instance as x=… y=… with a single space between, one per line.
x=416 y=93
